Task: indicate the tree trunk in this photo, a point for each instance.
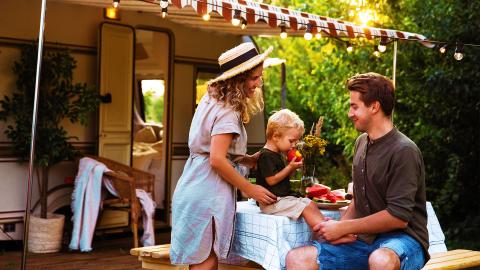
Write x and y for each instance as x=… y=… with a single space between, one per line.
x=43 y=192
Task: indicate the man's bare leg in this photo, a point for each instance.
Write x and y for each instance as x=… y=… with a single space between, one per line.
x=383 y=259
x=302 y=258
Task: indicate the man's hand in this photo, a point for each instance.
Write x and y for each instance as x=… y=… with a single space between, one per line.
x=349 y=238
x=330 y=230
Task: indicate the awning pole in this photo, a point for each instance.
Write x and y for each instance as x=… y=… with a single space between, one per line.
x=284 y=86
x=394 y=61
x=394 y=75
x=33 y=134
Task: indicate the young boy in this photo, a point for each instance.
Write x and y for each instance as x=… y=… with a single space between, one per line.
x=284 y=129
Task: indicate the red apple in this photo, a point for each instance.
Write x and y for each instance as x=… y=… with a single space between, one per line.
x=294 y=153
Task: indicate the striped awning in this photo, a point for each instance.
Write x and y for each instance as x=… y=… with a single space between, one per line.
x=261 y=19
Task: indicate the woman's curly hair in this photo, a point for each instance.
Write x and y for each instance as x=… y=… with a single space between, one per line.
x=231 y=92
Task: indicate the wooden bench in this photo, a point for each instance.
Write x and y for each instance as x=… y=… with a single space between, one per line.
x=158 y=257
x=454 y=259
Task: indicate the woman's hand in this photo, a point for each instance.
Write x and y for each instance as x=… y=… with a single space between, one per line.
x=260 y=194
x=250 y=160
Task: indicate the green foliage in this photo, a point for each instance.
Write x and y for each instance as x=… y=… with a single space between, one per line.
x=153 y=107
x=59 y=98
x=438 y=98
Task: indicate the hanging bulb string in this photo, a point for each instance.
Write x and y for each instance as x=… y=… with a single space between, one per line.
x=323 y=30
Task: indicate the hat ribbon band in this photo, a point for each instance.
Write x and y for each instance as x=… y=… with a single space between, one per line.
x=239 y=60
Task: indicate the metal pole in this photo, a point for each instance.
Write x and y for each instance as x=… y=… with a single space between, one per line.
x=33 y=134
x=284 y=87
x=394 y=76
x=394 y=61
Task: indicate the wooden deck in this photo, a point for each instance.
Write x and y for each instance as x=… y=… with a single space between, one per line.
x=109 y=253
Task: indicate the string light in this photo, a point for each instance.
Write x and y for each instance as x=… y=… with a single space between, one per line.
x=376 y=51
x=164 y=6
x=244 y=24
x=382 y=47
x=236 y=18
x=458 y=55
x=115 y=3
x=443 y=49
x=308 y=32
x=318 y=35
x=349 y=47
x=206 y=17
x=283 y=32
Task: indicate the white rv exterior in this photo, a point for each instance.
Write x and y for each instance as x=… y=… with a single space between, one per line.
x=77 y=28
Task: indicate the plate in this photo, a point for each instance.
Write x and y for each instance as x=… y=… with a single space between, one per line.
x=333 y=206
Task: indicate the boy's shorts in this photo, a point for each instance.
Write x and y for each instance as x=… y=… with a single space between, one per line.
x=287 y=206
x=355 y=255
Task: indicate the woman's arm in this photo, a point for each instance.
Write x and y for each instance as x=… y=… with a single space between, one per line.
x=275 y=179
x=218 y=160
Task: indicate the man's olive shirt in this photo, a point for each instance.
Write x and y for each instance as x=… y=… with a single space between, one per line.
x=388 y=174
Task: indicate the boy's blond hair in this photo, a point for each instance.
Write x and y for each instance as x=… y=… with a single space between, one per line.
x=283 y=120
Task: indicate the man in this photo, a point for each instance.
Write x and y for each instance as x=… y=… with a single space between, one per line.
x=388 y=212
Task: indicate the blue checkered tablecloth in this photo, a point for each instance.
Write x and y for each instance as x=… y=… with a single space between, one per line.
x=266 y=239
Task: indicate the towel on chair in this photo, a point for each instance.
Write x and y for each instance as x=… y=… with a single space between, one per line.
x=85 y=208
x=86 y=199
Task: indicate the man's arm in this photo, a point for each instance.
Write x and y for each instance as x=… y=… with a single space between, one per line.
x=379 y=222
x=350 y=213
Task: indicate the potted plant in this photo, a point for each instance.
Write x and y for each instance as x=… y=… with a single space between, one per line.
x=59 y=99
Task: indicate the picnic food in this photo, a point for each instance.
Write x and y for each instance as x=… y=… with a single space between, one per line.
x=334 y=196
x=317 y=190
x=294 y=153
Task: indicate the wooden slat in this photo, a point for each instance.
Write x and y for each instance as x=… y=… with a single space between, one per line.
x=454 y=259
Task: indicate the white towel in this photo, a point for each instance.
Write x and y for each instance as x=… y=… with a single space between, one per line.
x=86 y=199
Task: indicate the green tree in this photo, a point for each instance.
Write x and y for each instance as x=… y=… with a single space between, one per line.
x=59 y=98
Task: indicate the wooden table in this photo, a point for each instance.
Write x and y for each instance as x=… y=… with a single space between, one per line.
x=454 y=259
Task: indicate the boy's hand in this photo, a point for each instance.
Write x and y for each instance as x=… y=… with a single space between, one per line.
x=294 y=164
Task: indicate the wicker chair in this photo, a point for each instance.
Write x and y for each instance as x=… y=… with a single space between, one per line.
x=126 y=179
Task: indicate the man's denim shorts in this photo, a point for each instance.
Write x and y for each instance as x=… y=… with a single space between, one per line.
x=355 y=255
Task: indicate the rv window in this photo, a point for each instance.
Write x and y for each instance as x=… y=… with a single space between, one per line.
x=203 y=76
x=153 y=92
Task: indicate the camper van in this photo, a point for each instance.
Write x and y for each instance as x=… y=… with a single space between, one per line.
x=150 y=72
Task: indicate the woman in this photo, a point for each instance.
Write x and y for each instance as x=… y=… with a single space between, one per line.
x=203 y=208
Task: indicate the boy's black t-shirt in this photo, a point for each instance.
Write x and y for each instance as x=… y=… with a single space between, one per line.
x=270 y=163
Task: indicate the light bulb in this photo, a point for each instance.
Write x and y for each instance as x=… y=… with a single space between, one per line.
x=308 y=32
x=244 y=24
x=376 y=53
x=206 y=17
x=443 y=49
x=163 y=3
x=235 y=22
x=283 y=32
x=458 y=56
x=458 y=52
x=115 y=3
x=308 y=36
x=164 y=12
x=318 y=35
x=382 y=48
x=349 y=47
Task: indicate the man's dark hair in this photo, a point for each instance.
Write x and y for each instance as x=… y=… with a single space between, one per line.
x=374 y=87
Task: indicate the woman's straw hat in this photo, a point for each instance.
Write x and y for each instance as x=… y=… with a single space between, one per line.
x=239 y=59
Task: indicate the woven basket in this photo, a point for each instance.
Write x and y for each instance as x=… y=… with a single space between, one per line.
x=45 y=235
